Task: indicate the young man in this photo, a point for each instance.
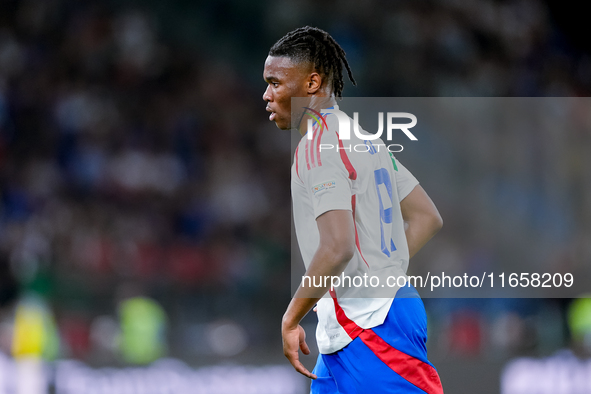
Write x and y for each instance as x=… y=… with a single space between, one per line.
x=355 y=213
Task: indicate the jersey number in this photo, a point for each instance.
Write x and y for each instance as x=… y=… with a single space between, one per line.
x=383 y=178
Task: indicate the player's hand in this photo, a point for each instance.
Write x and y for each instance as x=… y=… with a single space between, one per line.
x=294 y=339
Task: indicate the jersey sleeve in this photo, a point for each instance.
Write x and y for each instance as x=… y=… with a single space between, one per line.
x=325 y=174
x=405 y=181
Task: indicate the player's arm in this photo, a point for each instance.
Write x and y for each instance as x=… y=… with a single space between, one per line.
x=421 y=219
x=335 y=250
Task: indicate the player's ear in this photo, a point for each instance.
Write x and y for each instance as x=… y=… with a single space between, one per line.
x=314 y=82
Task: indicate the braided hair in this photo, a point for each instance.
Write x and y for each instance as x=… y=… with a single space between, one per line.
x=313 y=45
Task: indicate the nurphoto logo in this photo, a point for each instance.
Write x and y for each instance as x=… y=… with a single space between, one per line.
x=345 y=129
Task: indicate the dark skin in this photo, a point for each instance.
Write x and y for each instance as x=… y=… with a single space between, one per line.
x=287 y=79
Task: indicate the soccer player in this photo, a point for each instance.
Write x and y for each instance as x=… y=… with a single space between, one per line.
x=355 y=213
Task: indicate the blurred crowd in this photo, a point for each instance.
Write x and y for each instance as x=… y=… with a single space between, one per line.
x=127 y=161
x=136 y=159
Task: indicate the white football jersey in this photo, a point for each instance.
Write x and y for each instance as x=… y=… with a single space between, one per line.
x=364 y=178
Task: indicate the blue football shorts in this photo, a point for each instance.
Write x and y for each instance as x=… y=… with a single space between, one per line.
x=389 y=358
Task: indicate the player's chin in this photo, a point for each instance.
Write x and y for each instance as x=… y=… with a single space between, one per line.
x=282 y=124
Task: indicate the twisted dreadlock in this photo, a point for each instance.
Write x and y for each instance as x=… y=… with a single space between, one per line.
x=310 y=44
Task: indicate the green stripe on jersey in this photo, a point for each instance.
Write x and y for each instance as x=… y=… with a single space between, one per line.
x=393 y=161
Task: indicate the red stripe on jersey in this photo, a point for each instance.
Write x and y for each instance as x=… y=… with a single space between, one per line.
x=318 y=143
x=320 y=126
x=352 y=329
x=419 y=373
x=296 y=162
x=415 y=371
x=345 y=159
x=357 y=235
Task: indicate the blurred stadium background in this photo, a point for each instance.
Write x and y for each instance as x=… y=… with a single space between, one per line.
x=145 y=205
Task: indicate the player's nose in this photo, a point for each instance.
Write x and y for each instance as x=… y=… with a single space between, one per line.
x=267 y=95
